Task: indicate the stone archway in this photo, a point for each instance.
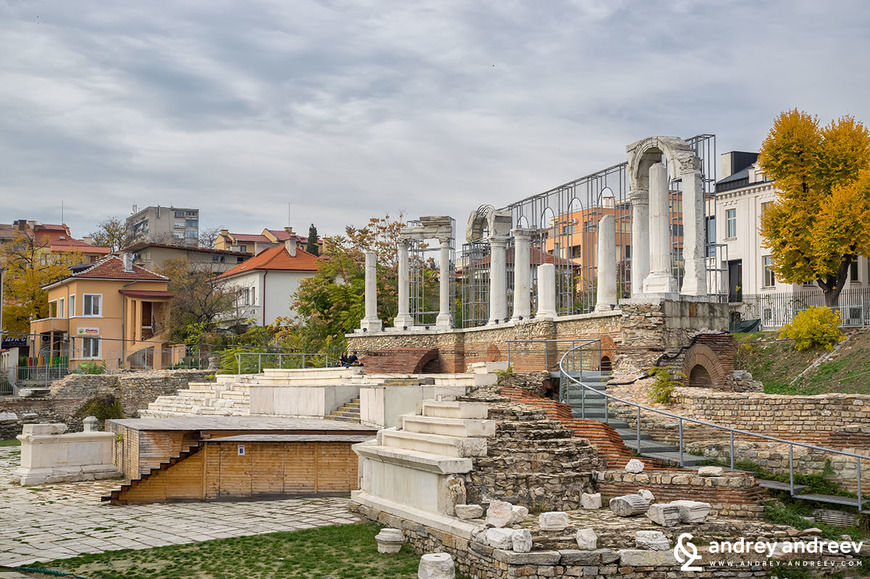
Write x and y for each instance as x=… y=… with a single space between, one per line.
x=703 y=368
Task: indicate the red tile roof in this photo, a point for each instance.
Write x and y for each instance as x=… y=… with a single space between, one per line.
x=257 y=238
x=78 y=245
x=112 y=267
x=275 y=258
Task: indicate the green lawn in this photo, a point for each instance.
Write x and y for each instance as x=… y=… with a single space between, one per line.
x=10 y=442
x=347 y=552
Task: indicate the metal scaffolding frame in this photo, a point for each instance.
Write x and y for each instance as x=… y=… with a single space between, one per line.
x=566 y=221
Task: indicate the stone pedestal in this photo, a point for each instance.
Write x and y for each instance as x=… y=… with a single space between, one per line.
x=371 y=322
x=606 y=264
x=49 y=456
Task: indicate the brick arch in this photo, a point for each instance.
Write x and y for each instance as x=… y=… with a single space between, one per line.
x=608 y=352
x=711 y=373
x=493 y=354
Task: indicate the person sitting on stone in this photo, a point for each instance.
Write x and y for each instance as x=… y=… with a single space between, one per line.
x=353 y=360
x=343 y=360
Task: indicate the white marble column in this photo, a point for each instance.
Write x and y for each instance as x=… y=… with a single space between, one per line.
x=546 y=291
x=606 y=264
x=660 y=279
x=497 y=279
x=694 y=239
x=371 y=322
x=639 y=240
x=522 y=274
x=445 y=318
x=403 y=318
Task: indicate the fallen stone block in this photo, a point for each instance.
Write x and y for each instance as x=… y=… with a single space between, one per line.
x=590 y=501
x=634 y=466
x=647 y=495
x=639 y=558
x=629 y=505
x=711 y=471
x=468 y=511
x=390 y=541
x=664 y=514
x=522 y=541
x=692 y=511
x=652 y=540
x=499 y=513
x=436 y=566
x=518 y=515
x=553 y=521
x=587 y=540
x=499 y=538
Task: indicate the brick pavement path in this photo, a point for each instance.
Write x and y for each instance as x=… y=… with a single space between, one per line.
x=58 y=521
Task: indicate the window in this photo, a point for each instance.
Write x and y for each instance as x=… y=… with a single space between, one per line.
x=191 y=214
x=768 y=277
x=177 y=235
x=711 y=236
x=179 y=214
x=52 y=309
x=765 y=206
x=178 y=224
x=60 y=312
x=90 y=347
x=92 y=305
x=853 y=277
x=190 y=234
x=731 y=223
x=218 y=258
x=246 y=296
x=72 y=306
x=191 y=223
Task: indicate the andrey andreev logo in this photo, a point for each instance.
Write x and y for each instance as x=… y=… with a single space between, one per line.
x=686 y=553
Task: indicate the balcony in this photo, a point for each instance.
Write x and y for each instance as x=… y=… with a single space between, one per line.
x=49 y=325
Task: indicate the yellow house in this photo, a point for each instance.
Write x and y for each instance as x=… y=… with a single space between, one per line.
x=112 y=312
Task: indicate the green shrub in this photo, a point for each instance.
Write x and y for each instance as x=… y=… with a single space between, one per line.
x=815 y=327
x=663 y=387
x=92 y=367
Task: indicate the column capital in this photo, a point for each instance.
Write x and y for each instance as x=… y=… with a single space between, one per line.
x=522 y=233
x=639 y=196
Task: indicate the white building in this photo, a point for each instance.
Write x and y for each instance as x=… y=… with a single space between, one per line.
x=753 y=290
x=266 y=283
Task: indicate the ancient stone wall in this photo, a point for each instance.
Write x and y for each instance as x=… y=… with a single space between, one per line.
x=532 y=461
x=730 y=496
x=134 y=391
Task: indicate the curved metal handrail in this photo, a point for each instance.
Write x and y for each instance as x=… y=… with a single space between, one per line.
x=565 y=374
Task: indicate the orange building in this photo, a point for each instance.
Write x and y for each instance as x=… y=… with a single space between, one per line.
x=111 y=312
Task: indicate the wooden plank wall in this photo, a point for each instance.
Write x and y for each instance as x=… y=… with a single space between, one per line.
x=267 y=469
x=273 y=468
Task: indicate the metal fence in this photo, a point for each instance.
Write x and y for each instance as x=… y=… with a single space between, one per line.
x=775 y=309
x=256 y=362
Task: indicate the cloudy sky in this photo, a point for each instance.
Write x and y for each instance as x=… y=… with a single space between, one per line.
x=349 y=109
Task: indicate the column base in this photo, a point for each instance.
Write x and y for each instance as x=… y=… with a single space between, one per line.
x=403 y=321
x=695 y=280
x=659 y=284
x=444 y=321
x=605 y=307
x=374 y=325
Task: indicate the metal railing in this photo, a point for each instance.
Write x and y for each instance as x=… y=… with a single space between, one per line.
x=296 y=360
x=575 y=375
x=511 y=352
x=41 y=374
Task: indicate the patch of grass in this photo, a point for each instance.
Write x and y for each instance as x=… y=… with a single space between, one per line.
x=10 y=442
x=776 y=363
x=787 y=511
x=345 y=552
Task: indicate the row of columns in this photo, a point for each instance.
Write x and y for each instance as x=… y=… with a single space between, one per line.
x=607 y=297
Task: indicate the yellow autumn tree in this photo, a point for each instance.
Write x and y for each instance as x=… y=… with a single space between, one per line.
x=820 y=223
x=29 y=266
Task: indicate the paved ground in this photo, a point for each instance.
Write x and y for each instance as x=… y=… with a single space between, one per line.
x=63 y=520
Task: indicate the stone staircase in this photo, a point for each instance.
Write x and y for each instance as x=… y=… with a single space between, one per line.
x=228 y=396
x=591 y=405
x=347 y=413
x=120 y=496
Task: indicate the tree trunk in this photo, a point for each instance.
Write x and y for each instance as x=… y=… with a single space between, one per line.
x=834 y=285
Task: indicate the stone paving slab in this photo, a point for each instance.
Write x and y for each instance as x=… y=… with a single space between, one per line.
x=67 y=519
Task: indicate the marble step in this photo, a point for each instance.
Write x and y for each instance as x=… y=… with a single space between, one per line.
x=460 y=427
x=434 y=443
x=454 y=409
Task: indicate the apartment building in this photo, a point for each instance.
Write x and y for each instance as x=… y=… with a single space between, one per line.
x=168 y=225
